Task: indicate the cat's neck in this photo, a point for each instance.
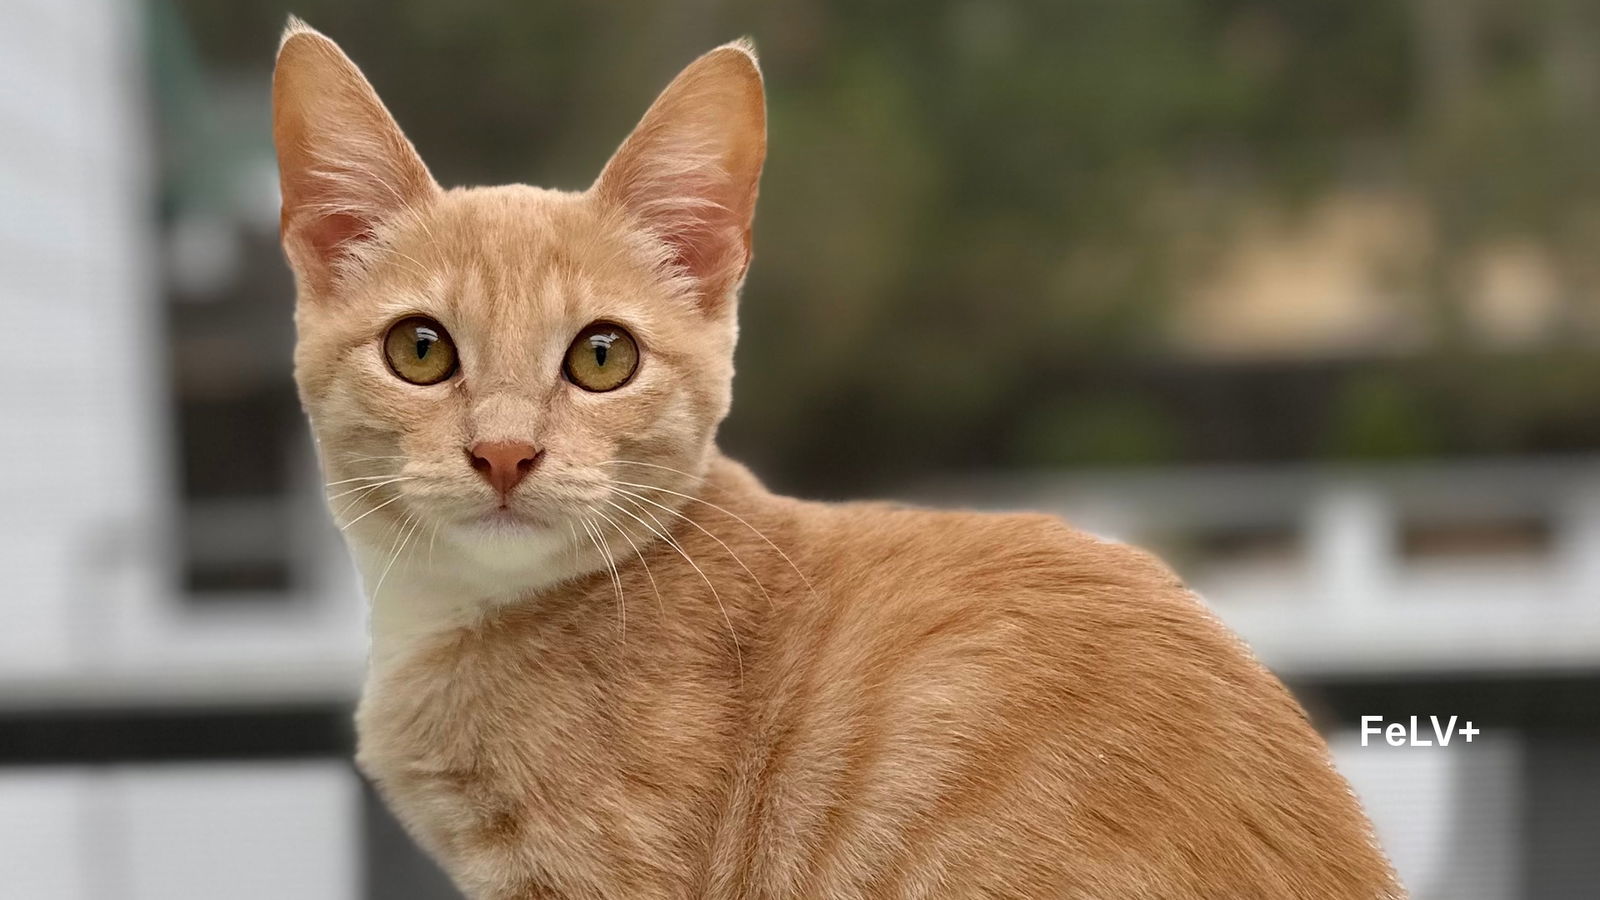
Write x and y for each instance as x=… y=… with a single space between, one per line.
x=448 y=584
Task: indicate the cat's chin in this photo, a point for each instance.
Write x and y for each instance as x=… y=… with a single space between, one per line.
x=502 y=523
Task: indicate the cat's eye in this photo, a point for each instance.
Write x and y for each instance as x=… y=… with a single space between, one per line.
x=602 y=357
x=419 y=350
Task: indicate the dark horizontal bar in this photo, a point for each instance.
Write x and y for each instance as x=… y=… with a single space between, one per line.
x=1549 y=704
x=173 y=734
x=1554 y=704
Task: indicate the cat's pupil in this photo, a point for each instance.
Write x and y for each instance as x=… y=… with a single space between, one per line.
x=600 y=354
x=426 y=338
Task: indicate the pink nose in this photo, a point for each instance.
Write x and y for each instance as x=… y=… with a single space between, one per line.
x=503 y=463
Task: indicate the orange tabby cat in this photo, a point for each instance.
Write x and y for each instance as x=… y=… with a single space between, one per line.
x=607 y=663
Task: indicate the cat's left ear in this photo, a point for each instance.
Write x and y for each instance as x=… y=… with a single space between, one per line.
x=344 y=166
x=689 y=171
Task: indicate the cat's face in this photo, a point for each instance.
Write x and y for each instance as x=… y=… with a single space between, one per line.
x=509 y=280
x=498 y=368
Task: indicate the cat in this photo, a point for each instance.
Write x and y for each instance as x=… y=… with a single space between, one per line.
x=607 y=663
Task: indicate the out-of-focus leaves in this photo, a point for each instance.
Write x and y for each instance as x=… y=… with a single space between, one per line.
x=976 y=209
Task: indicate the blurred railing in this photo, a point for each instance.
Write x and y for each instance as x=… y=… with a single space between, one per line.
x=1458 y=566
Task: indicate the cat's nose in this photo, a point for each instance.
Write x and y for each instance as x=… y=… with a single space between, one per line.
x=503 y=463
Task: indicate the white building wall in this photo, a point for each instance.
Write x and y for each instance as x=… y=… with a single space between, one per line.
x=263 y=831
x=81 y=499
x=90 y=612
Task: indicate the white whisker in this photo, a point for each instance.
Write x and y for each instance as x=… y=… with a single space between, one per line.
x=635 y=462
x=660 y=608
x=616 y=578
x=360 y=478
x=410 y=528
x=371 y=487
x=737 y=654
x=732 y=515
x=708 y=534
x=369 y=512
x=364 y=493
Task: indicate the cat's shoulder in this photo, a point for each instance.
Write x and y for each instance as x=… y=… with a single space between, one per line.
x=1028 y=589
x=1029 y=551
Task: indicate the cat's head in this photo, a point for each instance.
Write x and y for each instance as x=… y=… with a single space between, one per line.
x=485 y=366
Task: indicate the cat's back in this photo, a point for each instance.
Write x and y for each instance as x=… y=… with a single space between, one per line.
x=1015 y=708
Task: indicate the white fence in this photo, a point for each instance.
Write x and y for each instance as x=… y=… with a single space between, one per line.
x=1458 y=566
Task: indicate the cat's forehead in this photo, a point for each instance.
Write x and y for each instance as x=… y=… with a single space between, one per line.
x=506 y=248
x=514 y=227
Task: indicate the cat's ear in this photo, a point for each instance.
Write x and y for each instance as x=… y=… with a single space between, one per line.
x=689 y=170
x=344 y=166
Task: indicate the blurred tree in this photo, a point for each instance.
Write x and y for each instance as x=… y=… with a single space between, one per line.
x=977 y=213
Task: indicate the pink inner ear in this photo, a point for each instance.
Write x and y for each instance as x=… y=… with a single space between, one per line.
x=330 y=233
x=698 y=248
x=701 y=216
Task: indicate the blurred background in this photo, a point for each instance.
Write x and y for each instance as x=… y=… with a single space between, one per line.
x=1303 y=293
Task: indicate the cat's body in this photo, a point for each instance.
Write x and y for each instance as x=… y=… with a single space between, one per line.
x=1061 y=720
x=608 y=664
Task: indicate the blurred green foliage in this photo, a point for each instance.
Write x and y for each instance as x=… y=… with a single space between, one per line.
x=977 y=213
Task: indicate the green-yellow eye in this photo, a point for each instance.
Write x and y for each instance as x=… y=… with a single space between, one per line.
x=419 y=350
x=602 y=357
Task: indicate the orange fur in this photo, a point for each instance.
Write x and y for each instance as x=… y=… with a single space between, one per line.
x=646 y=676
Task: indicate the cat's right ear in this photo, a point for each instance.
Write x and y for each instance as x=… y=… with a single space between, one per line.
x=344 y=166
